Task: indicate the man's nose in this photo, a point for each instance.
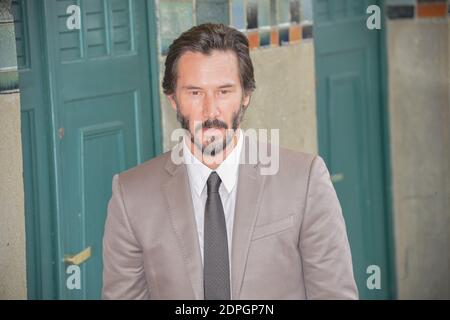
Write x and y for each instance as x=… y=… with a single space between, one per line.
x=210 y=107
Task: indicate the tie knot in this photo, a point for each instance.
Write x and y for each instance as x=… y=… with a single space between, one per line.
x=213 y=182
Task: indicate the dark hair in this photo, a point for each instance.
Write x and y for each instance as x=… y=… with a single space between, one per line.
x=204 y=38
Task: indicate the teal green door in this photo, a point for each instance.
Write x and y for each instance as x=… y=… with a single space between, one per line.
x=41 y=241
x=102 y=122
x=350 y=125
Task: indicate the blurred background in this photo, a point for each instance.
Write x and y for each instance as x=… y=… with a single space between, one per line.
x=365 y=87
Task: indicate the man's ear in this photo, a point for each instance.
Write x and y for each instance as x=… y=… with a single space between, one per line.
x=172 y=101
x=246 y=100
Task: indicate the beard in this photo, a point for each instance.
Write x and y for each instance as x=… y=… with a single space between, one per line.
x=213 y=146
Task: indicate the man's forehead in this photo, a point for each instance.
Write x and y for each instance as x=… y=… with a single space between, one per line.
x=219 y=68
x=212 y=54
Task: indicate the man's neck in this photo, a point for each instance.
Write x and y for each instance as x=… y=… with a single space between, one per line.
x=213 y=162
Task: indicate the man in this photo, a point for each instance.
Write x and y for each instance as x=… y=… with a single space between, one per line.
x=213 y=226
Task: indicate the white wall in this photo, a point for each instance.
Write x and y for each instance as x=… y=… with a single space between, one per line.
x=418 y=54
x=12 y=217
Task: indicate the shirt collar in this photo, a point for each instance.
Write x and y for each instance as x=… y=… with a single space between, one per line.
x=227 y=170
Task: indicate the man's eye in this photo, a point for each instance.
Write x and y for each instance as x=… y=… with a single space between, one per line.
x=224 y=91
x=195 y=93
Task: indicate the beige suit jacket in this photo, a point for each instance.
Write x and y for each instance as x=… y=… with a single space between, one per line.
x=289 y=235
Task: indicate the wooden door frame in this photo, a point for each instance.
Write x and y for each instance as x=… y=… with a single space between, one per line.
x=386 y=166
x=38 y=230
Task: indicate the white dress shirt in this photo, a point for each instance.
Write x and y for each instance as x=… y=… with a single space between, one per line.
x=198 y=175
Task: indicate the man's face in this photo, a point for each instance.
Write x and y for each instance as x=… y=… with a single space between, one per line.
x=209 y=98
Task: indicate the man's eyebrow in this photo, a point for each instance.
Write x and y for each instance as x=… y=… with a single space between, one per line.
x=191 y=87
x=227 y=85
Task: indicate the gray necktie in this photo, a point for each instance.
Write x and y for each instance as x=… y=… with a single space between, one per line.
x=216 y=273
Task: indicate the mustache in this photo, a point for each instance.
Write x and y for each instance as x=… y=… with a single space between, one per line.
x=208 y=124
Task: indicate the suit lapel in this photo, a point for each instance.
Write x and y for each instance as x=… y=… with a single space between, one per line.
x=248 y=200
x=181 y=212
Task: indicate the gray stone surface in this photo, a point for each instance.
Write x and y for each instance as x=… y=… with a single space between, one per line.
x=420 y=143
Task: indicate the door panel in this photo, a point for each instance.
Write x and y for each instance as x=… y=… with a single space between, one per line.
x=349 y=113
x=100 y=119
x=103 y=77
x=37 y=153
